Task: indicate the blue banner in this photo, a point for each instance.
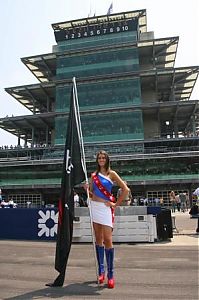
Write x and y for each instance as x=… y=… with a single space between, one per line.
x=28 y=223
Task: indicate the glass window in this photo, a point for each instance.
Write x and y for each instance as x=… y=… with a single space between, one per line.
x=97 y=41
x=101 y=94
x=108 y=126
x=98 y=63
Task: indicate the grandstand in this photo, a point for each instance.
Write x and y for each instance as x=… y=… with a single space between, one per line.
x=134 y=103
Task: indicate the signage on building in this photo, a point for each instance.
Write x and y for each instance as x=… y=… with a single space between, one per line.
x=96 y=30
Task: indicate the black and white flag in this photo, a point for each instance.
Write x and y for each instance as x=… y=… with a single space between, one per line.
x=73 y=173
x=110 y=10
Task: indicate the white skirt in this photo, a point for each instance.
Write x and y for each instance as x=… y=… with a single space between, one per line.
x=101 y=214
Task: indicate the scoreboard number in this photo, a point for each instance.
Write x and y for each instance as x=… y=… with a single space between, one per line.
x=96 y=30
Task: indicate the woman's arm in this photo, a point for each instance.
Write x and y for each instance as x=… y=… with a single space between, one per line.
x=124 y=188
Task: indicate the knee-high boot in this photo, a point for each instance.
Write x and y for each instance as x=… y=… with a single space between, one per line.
x=110 y=259
x=100 y=260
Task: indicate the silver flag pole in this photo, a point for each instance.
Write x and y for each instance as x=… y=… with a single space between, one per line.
x=85 y=171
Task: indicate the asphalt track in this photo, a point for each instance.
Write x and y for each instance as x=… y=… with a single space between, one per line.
x=161 y=270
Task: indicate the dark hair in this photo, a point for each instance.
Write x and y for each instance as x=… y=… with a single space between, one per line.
x=107 y=164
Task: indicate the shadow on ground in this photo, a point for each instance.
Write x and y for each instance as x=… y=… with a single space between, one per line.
x=194 y=235
x=88 y=288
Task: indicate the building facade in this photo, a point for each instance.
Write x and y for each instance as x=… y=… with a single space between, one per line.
x=133 y=103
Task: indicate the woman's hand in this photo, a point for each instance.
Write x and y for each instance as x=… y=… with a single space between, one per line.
x=86 y=186
x=110 y=204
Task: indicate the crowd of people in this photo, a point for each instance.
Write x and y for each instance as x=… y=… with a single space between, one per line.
x=6 y=204
x=81 y=201
x=25 y=146
x=179 y=201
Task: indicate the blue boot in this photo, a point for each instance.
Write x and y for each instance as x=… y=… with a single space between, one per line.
x=110 y=259
x=100 y=260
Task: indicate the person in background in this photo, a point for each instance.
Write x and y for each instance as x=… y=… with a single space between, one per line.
x=0 y=196
x=195 y=199
x=157 y=201
x=178 y=202
x=194 y=212
x=82 y=201
x=5 y=204
x=76 y=200
x=172 y=198
x=141 y=201
x=146 y=201
x=102 y=204
x=187 y=202
x=161 y=201
x=28 y=203
x=128 y=199
x=134 y=202
x=12 y=204
x=183 y=199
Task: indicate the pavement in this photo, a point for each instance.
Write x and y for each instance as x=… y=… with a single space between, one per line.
x=161 y=270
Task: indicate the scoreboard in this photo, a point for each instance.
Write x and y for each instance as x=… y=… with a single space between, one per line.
x=91 y=30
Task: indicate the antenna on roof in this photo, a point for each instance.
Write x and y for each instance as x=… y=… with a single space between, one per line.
x=91 y=13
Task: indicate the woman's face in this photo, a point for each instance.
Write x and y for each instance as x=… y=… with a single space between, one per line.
x=101 y=160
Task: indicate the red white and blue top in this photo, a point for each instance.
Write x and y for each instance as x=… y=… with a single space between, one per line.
x=107 y=184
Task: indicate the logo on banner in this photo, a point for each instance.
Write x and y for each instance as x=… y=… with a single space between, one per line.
x=47 y=223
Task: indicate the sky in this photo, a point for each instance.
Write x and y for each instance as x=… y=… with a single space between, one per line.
x=25 y=30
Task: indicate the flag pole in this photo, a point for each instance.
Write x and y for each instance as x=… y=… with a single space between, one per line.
x=86 y=176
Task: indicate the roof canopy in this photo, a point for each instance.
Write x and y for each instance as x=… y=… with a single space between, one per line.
x=97 y=20
x=37 y=98
x=168 y=111
x=170 y=84
x=162 y=52
x=42 y=66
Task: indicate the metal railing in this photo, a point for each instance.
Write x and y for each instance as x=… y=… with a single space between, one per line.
x=123 y=151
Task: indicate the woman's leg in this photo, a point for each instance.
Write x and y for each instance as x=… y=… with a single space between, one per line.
x=98 y=228
x=107 y=236
x=109 y=250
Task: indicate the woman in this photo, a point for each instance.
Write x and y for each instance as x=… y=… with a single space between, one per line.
x=102 y=209
x=173 y=201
